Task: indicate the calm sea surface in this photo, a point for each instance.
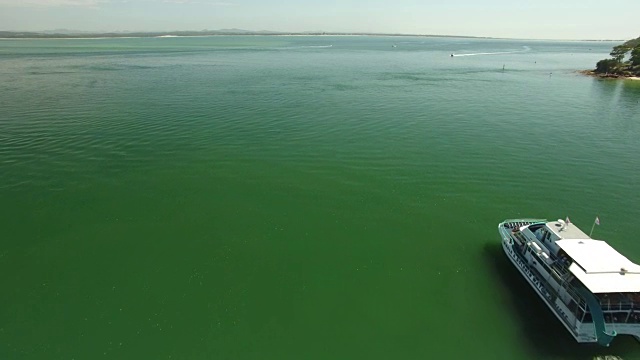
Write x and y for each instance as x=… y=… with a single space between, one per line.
x=299 y=197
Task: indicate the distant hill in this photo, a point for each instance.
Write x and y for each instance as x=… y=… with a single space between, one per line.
x=64 y=33
x=68 y=34
x=632 y=43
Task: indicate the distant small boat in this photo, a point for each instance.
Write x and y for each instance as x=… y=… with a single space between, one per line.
x=394 y=45
x=451 y=55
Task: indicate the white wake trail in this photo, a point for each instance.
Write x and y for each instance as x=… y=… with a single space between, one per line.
x=525 y=49
x=305 y=47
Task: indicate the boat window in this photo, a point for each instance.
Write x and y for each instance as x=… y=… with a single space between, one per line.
x=539 y=234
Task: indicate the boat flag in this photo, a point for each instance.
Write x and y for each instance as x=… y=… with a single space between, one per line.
x=597 y=220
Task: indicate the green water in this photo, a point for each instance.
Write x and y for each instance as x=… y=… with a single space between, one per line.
x=299 y=197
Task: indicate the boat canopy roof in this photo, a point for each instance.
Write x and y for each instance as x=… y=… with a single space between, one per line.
x=600 y=267
x=565 y=230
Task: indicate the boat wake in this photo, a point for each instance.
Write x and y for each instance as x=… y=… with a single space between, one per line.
x=305 y=47
x=525 y=49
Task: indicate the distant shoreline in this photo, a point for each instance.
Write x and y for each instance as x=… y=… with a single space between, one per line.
x=178 y=34
x=9 y=35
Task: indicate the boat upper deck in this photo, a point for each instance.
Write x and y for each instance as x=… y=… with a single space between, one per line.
x=565 y=230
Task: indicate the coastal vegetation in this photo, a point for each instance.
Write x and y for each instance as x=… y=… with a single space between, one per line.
x=624 y=61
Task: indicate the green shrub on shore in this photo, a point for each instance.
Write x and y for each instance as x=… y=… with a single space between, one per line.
x=624 y=61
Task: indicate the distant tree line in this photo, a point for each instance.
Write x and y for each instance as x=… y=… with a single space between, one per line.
x=84 y=35
x=624 y=61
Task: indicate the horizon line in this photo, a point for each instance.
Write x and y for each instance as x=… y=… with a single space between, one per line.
x=68 y=33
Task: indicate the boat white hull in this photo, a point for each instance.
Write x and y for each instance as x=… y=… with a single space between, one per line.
x=536 y=284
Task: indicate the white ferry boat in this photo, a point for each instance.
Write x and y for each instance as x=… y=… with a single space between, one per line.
x=589 y=286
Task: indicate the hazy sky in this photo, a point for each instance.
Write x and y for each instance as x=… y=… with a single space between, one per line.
x=540 y=19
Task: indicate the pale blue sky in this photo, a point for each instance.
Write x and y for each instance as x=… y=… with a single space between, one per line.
x=538 y=19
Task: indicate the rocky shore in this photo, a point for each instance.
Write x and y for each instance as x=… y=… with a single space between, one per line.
x=608 y=75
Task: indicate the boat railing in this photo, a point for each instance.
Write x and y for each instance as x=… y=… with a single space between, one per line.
x=559 y=268
x=602 y=336
x=617 y=302
x=575 y=295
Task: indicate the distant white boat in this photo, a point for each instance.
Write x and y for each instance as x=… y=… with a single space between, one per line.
x=589 y=286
